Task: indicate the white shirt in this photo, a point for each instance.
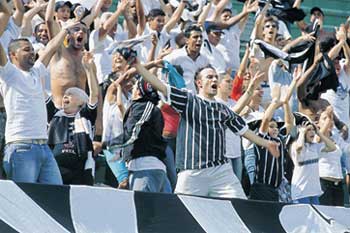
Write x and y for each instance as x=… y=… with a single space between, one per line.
x=230 y=45
x=340 y=100
x=148 y=5
x=180 y=57
x=306 y=177
x=233 y=142
x=24 y=102
x=102 y=59
x=11 y=32
x=163 y=38
x=215 y=56
x=113 y=119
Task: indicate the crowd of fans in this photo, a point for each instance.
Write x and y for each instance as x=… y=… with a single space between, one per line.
x=158 y=91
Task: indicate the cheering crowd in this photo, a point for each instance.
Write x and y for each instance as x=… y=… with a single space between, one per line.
x=157 y=94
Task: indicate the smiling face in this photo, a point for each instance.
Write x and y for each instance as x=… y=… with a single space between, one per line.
x=119 y=63
x=78 y=36
x=23 y=56
x=207 y=83
x=41 y=34
x=71 y=101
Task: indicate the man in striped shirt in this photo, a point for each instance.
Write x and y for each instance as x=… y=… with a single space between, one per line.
x=200 y=145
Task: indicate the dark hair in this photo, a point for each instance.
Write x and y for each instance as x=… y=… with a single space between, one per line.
x=36 y=28
x=178 y=39
x=226 y=10
x=15 y=44
x=271 y=18
x=196 y=75
x=190 y=29
x=154 y=13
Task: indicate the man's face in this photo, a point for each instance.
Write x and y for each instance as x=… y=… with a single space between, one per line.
x=316 y=15
x=225 y=85
x=225 y=16
x=106 y=5
x=63 y=13
x=25 y=55
x=41 y=34
x=157 y=23
x=194 y=42
x=214 y=37
x=207 y=82
x=270 y=30
x=78 y=36
x=119 y=63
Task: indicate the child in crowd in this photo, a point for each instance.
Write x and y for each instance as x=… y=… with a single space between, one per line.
x=305 y=153
x=71 y=129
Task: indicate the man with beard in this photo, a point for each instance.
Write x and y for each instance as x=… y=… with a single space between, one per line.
x=27 y=156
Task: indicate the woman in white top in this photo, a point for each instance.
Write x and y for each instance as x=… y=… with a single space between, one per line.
x=305 y=151
x=330 y=169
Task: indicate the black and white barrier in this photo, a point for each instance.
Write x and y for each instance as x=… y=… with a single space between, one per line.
x=35 y=208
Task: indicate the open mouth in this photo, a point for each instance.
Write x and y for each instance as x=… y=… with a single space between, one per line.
x=214 y=86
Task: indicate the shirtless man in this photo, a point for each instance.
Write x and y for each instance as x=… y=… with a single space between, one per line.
x=66 y=68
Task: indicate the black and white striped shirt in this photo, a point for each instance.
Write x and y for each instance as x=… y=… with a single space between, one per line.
x=200 y=139
x=270 y=170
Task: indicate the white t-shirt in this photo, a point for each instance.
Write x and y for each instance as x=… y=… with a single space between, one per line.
x=230 y=46
x=148 y=5
x=233 y=142
x=340 y=100
x=163 y=38
x=306 y=178
x=329 y=164
x=215 y=57
x=11 y=32
x=180 y=57
x=102 y=59
x=24 y=102
x=113 y=119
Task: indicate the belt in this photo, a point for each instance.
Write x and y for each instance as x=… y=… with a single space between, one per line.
x=30 y=141
x=335 y=183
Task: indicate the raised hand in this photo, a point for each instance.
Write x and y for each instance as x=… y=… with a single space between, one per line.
x=273 y=148
x=88 y=61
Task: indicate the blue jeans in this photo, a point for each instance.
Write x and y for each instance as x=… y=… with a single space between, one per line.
x=31 y=163
x=308 y=200
x=169 y=162
x=249 y=163
x=237 y=167
x=153 y=180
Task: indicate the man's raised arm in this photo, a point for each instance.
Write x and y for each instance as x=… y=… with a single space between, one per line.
x=150 y=78
x=55 y=43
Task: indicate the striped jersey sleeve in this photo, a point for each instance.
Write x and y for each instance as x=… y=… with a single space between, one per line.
x=236 y=123
x=177 y=98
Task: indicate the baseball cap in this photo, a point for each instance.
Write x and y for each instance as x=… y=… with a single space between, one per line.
x=316 y=8
x=60 y=4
